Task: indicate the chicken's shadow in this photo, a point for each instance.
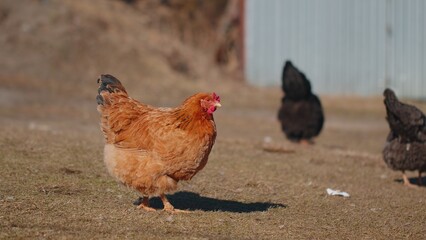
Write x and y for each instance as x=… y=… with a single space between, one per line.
x=193 y=201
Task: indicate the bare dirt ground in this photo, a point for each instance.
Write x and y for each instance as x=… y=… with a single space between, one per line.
x=53 y=183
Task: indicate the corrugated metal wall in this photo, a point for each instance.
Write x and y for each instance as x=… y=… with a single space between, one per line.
x=343 y=46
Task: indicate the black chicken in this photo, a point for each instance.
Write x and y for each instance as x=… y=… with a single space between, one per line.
x=301 y=113
x=405 y=147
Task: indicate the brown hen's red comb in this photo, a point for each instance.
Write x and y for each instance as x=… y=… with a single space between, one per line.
x=216 y=97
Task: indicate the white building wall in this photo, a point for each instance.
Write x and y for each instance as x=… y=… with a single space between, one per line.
x=343 y=46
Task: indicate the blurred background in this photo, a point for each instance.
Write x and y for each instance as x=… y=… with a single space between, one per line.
x=345 y=47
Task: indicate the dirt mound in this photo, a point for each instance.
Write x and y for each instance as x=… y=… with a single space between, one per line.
x=62 y=46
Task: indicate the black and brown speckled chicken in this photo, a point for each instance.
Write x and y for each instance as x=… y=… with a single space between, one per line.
x=405 y=148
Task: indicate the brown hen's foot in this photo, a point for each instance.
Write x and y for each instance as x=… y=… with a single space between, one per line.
x=407 y=181
x=148 y=209
x=168 y=207
x=174 y=210
x=145 y=205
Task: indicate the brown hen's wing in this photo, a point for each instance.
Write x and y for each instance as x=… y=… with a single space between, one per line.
x=136 y=126
x=132 y=125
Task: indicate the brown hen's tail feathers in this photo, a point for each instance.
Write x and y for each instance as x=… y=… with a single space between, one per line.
x=110 y=84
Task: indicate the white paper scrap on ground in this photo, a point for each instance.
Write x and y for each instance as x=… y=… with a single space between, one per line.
x=337 y=193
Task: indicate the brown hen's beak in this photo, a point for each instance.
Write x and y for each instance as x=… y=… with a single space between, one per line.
x=217 y=104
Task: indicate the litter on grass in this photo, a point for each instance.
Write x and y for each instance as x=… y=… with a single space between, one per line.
x=337 y=193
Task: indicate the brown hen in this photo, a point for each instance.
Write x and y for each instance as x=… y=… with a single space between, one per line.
x=151 y=149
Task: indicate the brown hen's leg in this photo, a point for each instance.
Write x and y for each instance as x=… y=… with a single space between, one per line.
x=145 y=205
x=407 y=181
x=420 y=179
x=168 y=207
